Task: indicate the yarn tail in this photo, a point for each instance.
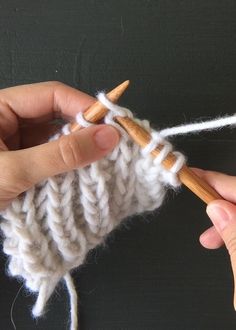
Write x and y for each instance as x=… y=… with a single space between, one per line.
x=73 y=301
x=200 y=126
x=45 y=292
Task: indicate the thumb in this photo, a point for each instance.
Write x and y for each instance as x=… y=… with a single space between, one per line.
x=223 y=216
x=71 y=151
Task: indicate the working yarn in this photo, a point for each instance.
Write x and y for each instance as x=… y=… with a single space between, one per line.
x=50 y=229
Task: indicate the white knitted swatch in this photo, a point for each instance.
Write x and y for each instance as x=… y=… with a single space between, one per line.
x=50 y=229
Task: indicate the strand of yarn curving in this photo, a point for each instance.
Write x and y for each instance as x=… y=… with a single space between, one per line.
x=50 y=229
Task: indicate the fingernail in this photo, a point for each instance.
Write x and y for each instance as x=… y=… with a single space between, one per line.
x=218 y=216
x=106 y=138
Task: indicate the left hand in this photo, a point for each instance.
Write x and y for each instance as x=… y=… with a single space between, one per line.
x=26 y=122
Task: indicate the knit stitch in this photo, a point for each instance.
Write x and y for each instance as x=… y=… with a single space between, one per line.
x=50 y=229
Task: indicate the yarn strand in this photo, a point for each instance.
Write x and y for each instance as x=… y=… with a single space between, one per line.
x=199 y=127
x=51 y=228
x=73 y=301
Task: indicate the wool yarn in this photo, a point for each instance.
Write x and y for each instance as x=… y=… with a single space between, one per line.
x=50 y=229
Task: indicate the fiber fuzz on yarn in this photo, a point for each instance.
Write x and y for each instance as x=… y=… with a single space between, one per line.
x=50 y=229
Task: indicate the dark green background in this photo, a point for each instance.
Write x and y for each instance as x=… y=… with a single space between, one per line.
x=181 y=59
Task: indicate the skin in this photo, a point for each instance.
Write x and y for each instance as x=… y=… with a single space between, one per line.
x=223 y=216
x=27 y=120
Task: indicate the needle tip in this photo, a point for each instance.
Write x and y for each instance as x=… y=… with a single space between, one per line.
x=97 y=110
x=116 y=93
x=126 y=83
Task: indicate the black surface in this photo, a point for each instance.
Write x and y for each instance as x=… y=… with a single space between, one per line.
x=181 y=59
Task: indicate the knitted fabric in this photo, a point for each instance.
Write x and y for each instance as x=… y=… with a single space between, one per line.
x=50 y=229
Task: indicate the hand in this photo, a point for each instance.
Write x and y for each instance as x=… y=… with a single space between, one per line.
x=26 y=115
x=223 y=215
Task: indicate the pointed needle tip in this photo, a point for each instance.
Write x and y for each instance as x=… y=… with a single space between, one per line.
x=116 y=93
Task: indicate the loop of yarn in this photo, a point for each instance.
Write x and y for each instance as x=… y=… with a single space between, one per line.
x=157 y=139
x=115 y=109
x=154 y=142
x=65 y=130
x=50 y=229
x=81 y=120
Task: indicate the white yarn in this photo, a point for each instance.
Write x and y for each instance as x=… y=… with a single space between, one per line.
x=80 y=119
x=50 y=229
x=156 y=140
x=73 y=301
x=199 y=127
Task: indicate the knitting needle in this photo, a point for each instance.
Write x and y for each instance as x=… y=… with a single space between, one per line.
x=197 y=185
x=97 y=111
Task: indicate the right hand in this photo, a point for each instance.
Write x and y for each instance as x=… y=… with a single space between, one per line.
x=223 y=216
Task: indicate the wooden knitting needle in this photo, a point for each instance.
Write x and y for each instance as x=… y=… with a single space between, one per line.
x=97 y=111
x=197 y=185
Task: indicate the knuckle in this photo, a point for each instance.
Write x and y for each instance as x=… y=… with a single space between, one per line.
x=231 y=245
x=12 y=179
x=70 y=151
x=54 y=83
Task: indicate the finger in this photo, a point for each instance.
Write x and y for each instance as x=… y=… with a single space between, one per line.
x=224 y=184
x=39 y=103
x=37 y=134
x=211 y=239
x=26 y=167
x=33 y=135
x=3 y=146
x=223 y=216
